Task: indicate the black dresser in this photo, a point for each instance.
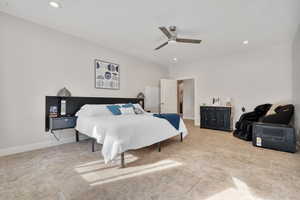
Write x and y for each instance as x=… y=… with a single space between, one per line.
x=216 y=117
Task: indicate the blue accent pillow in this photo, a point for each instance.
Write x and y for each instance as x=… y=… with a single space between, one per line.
x=128 y=105
x=114 y=109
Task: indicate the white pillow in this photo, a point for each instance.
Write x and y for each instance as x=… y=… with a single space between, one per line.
x=275 y=105
x=136 y=105
x=127 y=111
x=94 y=109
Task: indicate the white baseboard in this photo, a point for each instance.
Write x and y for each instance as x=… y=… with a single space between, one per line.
x=35 y=146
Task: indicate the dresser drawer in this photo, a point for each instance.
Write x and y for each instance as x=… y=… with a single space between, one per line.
x=62 y=123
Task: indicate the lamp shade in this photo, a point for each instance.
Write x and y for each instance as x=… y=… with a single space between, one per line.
x=141 y=95
x=64 y=92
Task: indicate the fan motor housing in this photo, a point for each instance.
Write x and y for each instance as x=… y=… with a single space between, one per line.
x=172 y=28
x=173 y=33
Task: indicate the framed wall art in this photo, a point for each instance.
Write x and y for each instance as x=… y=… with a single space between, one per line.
x=107 y=75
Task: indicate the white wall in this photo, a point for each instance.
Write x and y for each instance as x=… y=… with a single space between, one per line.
x=250 y=78
x=188 y=99
x=36 y=61
x=296 y=78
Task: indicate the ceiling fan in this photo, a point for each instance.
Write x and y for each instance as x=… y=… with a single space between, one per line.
x=171 y=34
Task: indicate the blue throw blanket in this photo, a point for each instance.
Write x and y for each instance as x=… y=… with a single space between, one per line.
x=173 y=119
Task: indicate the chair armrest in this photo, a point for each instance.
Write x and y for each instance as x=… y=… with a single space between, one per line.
x=272 y=125
x=250 y=116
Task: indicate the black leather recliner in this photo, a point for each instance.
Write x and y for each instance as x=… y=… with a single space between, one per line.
x=245 y=124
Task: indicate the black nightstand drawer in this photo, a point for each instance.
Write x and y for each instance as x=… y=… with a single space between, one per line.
x=62 y=123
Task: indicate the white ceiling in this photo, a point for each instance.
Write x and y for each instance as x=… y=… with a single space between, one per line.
x=131 y=26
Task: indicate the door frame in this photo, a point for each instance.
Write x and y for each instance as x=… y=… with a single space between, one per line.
x=178 y=102
x=196 y=110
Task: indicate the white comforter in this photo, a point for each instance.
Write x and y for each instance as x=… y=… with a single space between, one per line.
x=124 y=132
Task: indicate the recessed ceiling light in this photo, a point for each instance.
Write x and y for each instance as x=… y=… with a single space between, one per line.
x=175 y=59
x=54 y=4
x=246 y=42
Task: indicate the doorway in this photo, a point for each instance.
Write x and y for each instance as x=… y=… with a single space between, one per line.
x=186 y=98
x=170 y=102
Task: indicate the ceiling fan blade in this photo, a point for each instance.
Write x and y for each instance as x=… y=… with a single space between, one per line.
x=194 y=41
x=165 y=31
x=161 y=46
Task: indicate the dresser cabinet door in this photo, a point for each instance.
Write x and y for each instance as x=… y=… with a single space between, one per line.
x=212 y=118
x=227 y=119
x=223 y=118
x=203 y=117
x=220 y=118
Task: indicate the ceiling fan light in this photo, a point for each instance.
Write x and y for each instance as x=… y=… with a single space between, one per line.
x=54 y=4
x=172 y=41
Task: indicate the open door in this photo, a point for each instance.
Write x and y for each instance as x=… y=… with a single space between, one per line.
x=168 y=96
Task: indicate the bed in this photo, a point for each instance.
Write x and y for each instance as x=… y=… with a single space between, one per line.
x=120 y=133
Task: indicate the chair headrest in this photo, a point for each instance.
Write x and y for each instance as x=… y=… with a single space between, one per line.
x=264 y=108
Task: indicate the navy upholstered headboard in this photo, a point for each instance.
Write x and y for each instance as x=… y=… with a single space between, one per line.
x=73 y=104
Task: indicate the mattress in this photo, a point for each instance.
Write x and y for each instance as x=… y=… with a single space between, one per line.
x=125 y=132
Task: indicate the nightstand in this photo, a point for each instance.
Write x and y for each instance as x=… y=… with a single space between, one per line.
x=60 y=123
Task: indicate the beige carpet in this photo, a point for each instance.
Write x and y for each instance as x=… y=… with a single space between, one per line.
x=208 y=165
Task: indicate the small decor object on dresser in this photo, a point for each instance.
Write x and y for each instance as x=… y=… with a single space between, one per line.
x=107 y=75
